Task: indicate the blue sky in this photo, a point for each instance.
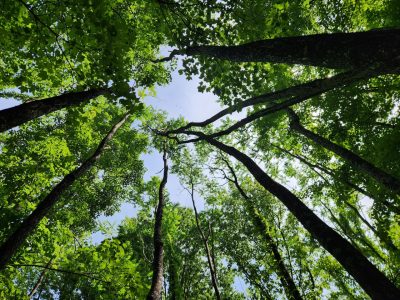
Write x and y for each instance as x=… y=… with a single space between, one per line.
x=179 y=98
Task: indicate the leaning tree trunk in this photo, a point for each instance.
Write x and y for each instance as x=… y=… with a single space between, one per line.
x=291 y=291
x=374 y=282
x=157 y=280
x=210 y=260
x=335 y=50
x=28 y=111
x=15 y=240
x=379 y=175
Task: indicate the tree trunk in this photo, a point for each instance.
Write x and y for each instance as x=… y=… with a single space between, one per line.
x=379 y=175
x=375 y=283
x=158 y=260
x=291 y=291
x=335 y=50
x=15 y=240
x=27 y=111
x=204 y=239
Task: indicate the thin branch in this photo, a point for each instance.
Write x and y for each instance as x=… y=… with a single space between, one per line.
x=41 y=277
x=59 y=270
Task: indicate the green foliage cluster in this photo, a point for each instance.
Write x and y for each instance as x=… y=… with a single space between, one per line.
x=51 y=47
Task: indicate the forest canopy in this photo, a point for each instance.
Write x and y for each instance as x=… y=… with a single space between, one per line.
x=293 y=184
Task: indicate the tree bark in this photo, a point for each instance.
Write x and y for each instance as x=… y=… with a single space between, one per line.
x=15 y=240
x=291 y=291
x=28 y=111
x=356 y=161
x=204 y=239
x=375 y=283
x=158 y=260
x=335 y=50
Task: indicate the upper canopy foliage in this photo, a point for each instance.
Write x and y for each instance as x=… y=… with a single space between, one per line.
x=257 y=248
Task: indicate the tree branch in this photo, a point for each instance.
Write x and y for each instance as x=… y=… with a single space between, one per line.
x=58 y=270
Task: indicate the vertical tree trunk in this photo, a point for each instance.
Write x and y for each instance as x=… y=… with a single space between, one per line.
x=335 y=50
x=374 y=282
x=379 y=175
x=158 y=260
x=211 y=265
x=291 y=291
x=27 y=111
x=15 y=240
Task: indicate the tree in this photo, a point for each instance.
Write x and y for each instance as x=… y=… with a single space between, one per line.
x=20 y=114
x=283 y=220
x=14 y=241
x=157 y=281
x=323 y=233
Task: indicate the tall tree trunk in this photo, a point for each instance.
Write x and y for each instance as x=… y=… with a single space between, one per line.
x=291 y=291
x=335 y=50
x=375 y=283
x=204 y=239
x=379 y=175
x=15 y=240
x=158 y=260
x=27 y=111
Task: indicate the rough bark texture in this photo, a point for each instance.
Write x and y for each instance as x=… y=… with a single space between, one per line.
x=375 y=283
x=204 y=239
x=336 y=50
x=27 y=111
x=291 y=291
x=356 y=161
x=15 y=240
x=158 y=260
